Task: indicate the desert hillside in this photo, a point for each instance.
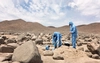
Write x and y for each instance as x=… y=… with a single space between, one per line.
x=21 y=25
x=90 y=28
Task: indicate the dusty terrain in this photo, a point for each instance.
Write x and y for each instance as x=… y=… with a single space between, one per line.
x=15 y=33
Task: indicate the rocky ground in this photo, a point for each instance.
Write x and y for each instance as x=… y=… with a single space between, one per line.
x=30 y=48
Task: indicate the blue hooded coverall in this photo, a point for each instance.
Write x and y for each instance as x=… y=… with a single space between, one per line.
x=73 y=31
x=56 y=39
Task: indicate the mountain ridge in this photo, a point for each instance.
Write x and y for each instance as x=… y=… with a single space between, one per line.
x=21 y=25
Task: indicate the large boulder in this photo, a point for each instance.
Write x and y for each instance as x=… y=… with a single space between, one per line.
x=27 y=53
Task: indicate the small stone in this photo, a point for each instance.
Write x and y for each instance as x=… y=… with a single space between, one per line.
x=95 y=56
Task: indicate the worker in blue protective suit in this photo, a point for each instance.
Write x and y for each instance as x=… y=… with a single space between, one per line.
x=56 y=39
x=73 y=31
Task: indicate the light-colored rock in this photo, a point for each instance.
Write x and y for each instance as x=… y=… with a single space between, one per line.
x=45 y=39
x=49 y=43
x=92 y=61
x=89 y=55
x=39 y=41
x=15 y=62
x=40 y=35
x=5 y=62
x=2 y=59
x=48 y=53
x=81 y=48
x=21 y=38
x=79 y=43
x=27 y=53
x=34 y=38
x=13 y=45
x=6 y=57
x=58 y=56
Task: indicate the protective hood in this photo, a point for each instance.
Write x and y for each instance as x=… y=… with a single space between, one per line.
x=71 y=23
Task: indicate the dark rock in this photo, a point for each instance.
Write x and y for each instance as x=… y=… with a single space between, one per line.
x=2 y=40
x=6 y=49
x=11 y=41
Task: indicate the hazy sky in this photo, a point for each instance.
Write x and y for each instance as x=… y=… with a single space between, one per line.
x=51 y=12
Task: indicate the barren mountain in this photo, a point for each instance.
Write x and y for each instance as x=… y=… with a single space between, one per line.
x=21 y=25
x=90 y=28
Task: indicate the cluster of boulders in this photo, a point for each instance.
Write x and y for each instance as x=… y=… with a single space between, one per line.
x=23 y=48
x=39 y=39
x=92 y=43
x=7 y=45
x=84 y=39
x=94 y=48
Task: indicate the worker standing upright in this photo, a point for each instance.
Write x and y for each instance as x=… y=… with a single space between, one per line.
x=73 y=32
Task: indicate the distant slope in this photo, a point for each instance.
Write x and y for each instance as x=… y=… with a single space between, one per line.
x=90 y=28
x=64 y=29
x=21 y=25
